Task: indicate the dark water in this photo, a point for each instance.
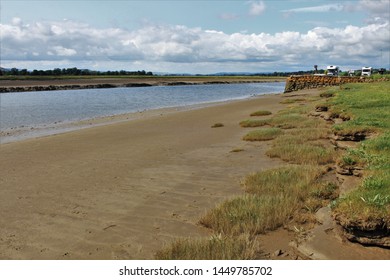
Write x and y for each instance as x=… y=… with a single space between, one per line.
x=34 y=109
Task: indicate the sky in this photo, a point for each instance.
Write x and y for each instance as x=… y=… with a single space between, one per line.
x=198 y=37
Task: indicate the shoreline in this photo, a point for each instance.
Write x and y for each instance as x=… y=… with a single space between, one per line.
x=17 y=134
x=123 y=190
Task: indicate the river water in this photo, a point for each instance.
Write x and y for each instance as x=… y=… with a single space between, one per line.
x=21 y=110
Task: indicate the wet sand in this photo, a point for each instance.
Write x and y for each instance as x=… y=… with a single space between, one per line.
x=121 y=191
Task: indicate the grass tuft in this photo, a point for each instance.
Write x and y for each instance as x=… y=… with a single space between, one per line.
x=260 y=113
x=254 y=123
x=303 y=154
x=237 y=150
x=263 y=134
x=217 y=247
x=249 y=214
x=216 y=125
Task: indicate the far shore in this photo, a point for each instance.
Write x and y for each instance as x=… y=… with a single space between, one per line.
x=19 y=84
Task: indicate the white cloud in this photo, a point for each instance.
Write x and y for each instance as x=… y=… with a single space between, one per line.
x=61 y=51
x=378 y=8
x=256 y=8
x=317 y=9
x=179 y=48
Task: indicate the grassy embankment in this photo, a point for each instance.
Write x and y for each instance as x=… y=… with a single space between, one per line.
x=290 y=195
x=368 y=109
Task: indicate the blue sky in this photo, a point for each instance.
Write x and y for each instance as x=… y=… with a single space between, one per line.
x=195 y=36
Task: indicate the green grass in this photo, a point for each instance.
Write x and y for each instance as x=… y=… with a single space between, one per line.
x=263 y=134
x=293 y=100
x=273 y=198
x=260 y=113
x=367 y=207
x=288 y=179
x=303 y=153
x=249 y=214
x=254 y=123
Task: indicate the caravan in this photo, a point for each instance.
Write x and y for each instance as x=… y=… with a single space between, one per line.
x=332 y=70
x=366 y=71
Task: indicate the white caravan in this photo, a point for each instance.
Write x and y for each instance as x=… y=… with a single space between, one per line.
x=366 y=71
x=332 y=70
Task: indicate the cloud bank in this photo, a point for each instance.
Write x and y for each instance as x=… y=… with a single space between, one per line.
x=177 y=48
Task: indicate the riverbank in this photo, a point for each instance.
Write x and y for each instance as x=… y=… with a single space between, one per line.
x=126 y=189
x=121 y=191
x=46 y=84
x=298 y=199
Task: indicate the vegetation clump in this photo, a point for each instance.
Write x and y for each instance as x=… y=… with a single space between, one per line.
x=263 y=134
x=260 y=113
x=217 y=247
x=216 y=125
x=254 y=123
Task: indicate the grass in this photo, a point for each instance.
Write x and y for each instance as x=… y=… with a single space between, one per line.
x=273 y=198
x=217 y=247
x=292 y=100
x=304 y=143
x=263 y=134
x=216 y=125
x=260 y=113
x=249 y=214
x=237 y=150
x=303 y=153
x=367 y=207
x=288 y=179
x=254 y=123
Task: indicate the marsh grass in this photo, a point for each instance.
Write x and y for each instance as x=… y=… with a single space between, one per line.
x=263 y=134
x=251 y=214
x=217 y=247
x=237 y=150
x=303 y=154
x=216 y=125
x=289 y=120
x=291 y=180
x=304 y=141
x=254 y=123
x=261 y=113
x=273 y=198
x=292 y=100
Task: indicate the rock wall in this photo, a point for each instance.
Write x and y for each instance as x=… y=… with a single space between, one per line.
x=294 y=83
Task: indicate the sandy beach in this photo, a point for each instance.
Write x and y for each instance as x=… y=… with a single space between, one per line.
x=123 y=190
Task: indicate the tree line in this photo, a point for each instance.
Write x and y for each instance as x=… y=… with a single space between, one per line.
x=70 y=72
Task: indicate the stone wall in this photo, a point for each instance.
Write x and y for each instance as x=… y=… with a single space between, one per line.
x=294 y=83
